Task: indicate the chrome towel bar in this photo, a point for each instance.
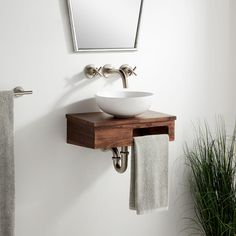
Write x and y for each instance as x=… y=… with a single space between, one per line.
x=19 y=91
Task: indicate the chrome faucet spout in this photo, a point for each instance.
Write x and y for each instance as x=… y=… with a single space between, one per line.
x=124 y=78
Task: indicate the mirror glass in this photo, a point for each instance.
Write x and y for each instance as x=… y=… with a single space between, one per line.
x=105 y=24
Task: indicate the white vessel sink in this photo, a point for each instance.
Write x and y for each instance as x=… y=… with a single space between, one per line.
x=124 y=103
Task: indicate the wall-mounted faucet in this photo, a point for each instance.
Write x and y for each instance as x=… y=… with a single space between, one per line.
x=124 y=71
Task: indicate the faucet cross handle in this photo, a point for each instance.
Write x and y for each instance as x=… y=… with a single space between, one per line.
x=133 y=71
x=91 y=71
x=128 y=70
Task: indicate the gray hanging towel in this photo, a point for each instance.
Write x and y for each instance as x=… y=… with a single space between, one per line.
x=149 y=173
x=7 y=183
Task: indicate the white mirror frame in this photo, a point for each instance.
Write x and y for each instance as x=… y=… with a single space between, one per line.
x=74 y=39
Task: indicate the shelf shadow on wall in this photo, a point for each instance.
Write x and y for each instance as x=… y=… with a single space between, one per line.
x=50 y=173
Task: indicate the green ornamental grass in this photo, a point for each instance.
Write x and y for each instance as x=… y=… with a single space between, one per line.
x=211 y=159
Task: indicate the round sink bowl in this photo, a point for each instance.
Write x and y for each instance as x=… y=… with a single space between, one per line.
x=124 y=103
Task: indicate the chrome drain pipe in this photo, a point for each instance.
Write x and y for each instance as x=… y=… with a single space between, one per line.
x=120 y=159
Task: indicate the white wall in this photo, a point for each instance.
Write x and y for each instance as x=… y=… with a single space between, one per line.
x=186 y=54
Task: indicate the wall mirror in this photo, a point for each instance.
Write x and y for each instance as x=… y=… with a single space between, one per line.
x=105 y=25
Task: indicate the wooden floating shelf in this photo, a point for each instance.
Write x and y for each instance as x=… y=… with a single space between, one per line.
x=99 y=130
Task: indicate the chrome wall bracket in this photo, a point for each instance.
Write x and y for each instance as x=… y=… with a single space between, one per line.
x=19 y=91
